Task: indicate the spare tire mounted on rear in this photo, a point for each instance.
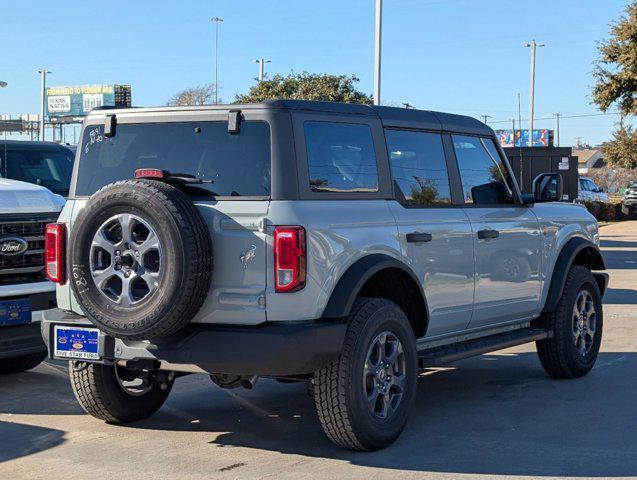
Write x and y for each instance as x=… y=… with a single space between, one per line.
x=140 y=258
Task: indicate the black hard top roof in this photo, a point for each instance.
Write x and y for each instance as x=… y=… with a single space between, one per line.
x=390 y=116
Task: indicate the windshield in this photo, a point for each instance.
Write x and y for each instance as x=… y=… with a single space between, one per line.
x=231 y=164
x=50 y=168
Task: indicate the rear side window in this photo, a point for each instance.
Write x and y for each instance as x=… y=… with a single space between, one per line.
x=419 y=167
x=485 y=179
x=50 y=168
x=341 y=157
x=235 y=165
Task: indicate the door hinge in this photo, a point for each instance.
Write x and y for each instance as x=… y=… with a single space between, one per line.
x=263 y=225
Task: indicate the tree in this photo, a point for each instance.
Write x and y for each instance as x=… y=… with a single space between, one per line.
x=616 y=83
x=307 y=86
x=199 y=95
x=621 y=150
x=616 y=68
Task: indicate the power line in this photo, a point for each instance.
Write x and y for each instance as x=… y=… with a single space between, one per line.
x=562 y=117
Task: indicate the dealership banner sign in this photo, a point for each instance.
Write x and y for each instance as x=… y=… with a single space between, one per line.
x=77 y=101
x=541 y=138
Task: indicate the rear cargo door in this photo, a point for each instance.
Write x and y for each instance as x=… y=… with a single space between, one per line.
x=239 y=248
x=233 y=198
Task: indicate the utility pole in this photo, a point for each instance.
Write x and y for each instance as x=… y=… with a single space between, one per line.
x=261 y=62
x=216 y=21
x=377 y=50
x=557 y=130
x=513 y=122
x=533 y=45
x=486 y=117
x=42 y=73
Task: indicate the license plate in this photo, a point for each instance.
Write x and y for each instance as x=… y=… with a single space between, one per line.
x=76 y=342
x=15 y=312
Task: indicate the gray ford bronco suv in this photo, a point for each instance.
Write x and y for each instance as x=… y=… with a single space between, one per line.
x=344 y=245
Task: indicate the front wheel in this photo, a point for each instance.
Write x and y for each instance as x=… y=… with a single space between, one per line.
x=118 y=395
x=363 y=398
x=577 y=325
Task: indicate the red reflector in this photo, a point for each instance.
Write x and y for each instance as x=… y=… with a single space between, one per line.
x=150 y=173
x=55 y=252
x=289 y=259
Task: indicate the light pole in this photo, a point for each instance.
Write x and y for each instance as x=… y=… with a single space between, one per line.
x=43 y=73
x=262 y=62
x=533 y=45
x=377 y=50
x=557 y=117
x=216 y=21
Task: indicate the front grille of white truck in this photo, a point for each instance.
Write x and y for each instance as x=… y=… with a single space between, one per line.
x=29 y=265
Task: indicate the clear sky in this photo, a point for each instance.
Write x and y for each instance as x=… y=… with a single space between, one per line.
x=461 y=56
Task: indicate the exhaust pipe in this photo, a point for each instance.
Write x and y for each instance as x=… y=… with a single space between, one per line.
x=249 y=382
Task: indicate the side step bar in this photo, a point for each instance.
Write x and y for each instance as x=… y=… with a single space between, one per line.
x=470 y=348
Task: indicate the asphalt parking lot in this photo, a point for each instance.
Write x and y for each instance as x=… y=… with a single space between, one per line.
x=497 y=415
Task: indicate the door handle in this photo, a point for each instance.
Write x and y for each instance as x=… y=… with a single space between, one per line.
x=418 y=237
x=485 y=234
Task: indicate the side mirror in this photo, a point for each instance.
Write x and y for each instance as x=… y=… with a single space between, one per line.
x=547 y=187
x=600 y=190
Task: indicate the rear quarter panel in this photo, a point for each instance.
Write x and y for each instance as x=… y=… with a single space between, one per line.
x=338 y=234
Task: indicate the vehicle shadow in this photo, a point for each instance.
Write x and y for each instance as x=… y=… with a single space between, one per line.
x=494 y=414
x=19 y=440
x=622 y=296
x=620 y=259
x=44 y=391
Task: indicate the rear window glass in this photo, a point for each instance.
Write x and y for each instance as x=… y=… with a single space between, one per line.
x=341 y=157
x=50 y=168
x=234 y=164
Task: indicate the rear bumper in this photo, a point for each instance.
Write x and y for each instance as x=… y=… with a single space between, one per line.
x=26 y=339
x=271 y=350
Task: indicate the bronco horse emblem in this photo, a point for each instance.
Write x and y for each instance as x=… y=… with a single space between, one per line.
x=247 y=256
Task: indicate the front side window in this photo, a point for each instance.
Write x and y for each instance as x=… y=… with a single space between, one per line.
x=340 y=157
x=419 y=167
x=234 y=165
x=485 y=178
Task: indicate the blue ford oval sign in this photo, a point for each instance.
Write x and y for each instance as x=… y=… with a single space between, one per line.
x=12 y=246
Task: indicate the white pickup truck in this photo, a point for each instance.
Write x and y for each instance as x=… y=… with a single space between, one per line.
x=25 y=209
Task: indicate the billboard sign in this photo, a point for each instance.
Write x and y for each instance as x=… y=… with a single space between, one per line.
x=541 y=138
x=77 y=101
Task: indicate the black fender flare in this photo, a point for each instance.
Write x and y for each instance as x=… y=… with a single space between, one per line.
x=573 y=248
x=351 y=282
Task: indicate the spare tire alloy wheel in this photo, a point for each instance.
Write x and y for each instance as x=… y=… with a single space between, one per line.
x=140 y=259
x=126 y=259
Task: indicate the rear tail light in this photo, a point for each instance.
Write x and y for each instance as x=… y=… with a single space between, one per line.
x=55 y=252
x=151 y=173
x=289 y=259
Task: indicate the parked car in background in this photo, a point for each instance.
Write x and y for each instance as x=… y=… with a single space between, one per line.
x=46 y=164
x=629 y=202
x=590 y=192
x=25 y=210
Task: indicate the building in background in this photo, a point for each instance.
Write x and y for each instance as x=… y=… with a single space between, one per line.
x=589 y=158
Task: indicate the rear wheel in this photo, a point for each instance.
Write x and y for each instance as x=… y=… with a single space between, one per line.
x=116 y=394
x=363 y=398
x=22 y=363
x=577 y=327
